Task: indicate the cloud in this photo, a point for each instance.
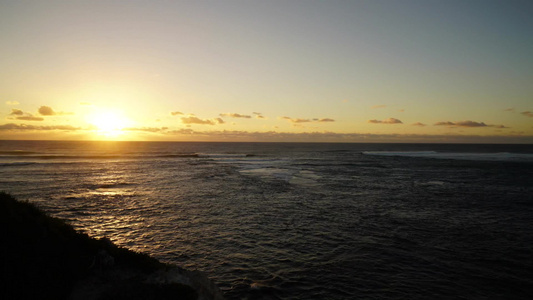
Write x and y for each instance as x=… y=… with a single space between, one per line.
x=470 y=124
x=146 y=129
x=29 y=118
x=419 y=124
x=235 y=115
x=20 y=115
x=16 y=112
x=527 y=114
x=509 y=109
x=175 y=113
x=386 y=121
x=46 y=111
x=195 y=120
x=12 y=126
x=401 y=110
x=12 y=103
x=467 y=124
x=298 y=120
x=258 y=115
x=379 y=106
x=275 y=136
x=461 y=124
x=448 y=123
x=186 y=131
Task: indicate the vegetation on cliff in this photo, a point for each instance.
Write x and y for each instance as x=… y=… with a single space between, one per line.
x=45 y=258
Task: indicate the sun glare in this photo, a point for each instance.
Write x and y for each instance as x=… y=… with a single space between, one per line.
x=108 y=123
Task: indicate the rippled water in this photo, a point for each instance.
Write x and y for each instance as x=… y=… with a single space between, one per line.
x=300 y=221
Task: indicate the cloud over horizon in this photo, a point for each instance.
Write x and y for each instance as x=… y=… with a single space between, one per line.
x=13 y=126
x=467 y=124
x=258 y=115
x=146 y=129
x=30 y=118
x=45 y=110
x=16 y=112
x=20 y=115
x=298 y=120
x=275 y=136
x=175 y=113
x=386 y=121
x=527 y=114
x=226 y=135
x=195 y=120
x=235 y=115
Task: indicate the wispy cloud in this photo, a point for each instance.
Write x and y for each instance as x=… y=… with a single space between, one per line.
x=235 y=115
x=12 y=103
x=176 y=113
x=386 y=121
x=419 y=124
x=379 y=106
x=146 y=129
x=527 y=114
x=12 y=126
x=447 y=123
x=258 y=115
x=509 y=109
x=29 y=118
x=298 y=120
x=467 y=124
x=324 y=120
x=195 y=120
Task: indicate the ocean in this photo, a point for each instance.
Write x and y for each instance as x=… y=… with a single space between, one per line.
x=300 y=220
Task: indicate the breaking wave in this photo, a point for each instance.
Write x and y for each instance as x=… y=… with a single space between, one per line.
x=501 y=156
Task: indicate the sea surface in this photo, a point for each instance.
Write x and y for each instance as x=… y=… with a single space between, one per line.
x=300 y=221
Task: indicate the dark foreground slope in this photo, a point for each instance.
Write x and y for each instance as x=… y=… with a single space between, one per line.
x=45 y=258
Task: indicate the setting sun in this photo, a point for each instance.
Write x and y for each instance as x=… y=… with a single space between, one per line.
x=108 y=123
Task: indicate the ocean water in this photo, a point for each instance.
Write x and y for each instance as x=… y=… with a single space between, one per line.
x=300 y=221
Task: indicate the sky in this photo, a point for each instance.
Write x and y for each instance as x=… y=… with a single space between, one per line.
x=272 y=71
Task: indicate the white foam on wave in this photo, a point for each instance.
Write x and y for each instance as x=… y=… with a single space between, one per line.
x=222 y=155
x=269 y=172
x=501 y=156
x=292 y=176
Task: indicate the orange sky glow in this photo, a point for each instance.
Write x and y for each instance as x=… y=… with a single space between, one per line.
x=272 y=71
